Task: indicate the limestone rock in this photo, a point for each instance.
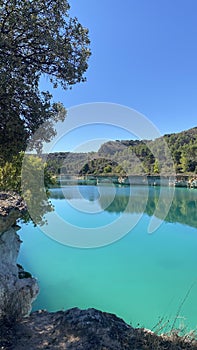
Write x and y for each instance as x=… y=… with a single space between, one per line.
x=11 y=208
x=17 y=289
x=16 y=293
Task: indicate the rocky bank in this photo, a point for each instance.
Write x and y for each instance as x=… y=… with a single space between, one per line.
x=73 y=329
x=17 y=288
x=89 y=329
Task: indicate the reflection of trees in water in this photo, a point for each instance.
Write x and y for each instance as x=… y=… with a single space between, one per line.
x=127 y=201
x=183 y=208
x=89 y=193
x=34 y=185
x=119 y=204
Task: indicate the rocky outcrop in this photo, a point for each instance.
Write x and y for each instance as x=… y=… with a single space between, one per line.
x=17 y=289
x=11 y=208
x=89 y=329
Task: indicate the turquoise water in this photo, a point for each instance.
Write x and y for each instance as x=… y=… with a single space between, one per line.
x=141 y=277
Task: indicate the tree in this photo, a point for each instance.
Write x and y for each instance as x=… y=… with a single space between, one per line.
x=36 y=37
x=85 y=169
x=10 y=174
x=107 y=169
x=184 y=162
x=156 y=168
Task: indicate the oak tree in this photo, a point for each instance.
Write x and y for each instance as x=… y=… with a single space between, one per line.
x=36 y=38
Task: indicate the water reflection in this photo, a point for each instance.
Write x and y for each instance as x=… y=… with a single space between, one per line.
x=183 y=208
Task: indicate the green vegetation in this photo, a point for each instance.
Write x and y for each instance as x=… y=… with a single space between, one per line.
x=36 y=38
x=34 y=173
x=151 y=157
x=10 y=174
x=99 y=166
x=173 y=152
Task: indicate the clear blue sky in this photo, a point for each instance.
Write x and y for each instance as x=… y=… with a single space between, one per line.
x=144 y=56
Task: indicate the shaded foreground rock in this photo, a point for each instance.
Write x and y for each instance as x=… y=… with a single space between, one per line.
x=17 y=288
x=16 y=291
x=89 y=329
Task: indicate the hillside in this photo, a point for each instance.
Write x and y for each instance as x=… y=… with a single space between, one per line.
x=165 y=154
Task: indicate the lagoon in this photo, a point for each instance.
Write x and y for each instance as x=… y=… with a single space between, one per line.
x=141 y=277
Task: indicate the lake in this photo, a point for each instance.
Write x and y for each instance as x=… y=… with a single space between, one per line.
x=143 y=278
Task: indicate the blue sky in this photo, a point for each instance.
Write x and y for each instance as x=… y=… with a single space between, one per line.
x=144 y=56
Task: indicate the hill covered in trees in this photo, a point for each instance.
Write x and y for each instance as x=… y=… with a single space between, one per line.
x=177 y=152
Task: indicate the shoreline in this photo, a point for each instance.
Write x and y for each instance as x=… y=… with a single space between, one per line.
x=185 y=181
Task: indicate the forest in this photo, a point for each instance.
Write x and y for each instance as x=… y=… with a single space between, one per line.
x=175 y=152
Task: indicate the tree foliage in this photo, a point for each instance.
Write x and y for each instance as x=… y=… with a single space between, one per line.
x=34 y=169
x=133 y=157
x=36 y=37
x=10 y=172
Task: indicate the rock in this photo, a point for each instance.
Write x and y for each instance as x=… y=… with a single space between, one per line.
x=17 y=288
x=89 y=329
x=16 y=293
x=11 y=208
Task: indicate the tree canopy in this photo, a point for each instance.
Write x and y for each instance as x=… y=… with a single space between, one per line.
x=137 y=157
x=36 y=37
